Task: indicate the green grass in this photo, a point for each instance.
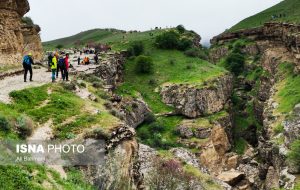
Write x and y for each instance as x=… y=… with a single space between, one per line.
x=288 y=94
x=291 y=9
x=32 y=177
x=240 y=146
x=164 y=72
x=160 y=134
x=62 y=103
x=114 y=38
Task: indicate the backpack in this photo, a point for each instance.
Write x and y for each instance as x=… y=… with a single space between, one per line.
x=27 y=60
x=61 y=63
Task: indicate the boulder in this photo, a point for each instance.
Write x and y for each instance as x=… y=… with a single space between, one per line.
x=231 y=177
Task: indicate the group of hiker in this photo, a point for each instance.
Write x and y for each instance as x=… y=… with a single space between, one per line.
x=58 y=63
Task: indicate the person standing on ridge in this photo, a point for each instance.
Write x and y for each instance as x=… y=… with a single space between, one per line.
x=27 y=62
x=54 y=67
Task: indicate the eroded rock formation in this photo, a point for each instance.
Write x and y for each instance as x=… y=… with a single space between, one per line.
x=14 y=35
x=193 y=101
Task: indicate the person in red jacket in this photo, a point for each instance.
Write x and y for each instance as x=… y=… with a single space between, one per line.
x=65 y=69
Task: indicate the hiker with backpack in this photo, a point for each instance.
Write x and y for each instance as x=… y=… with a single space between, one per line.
x=60 y=66
x=50 y=57
x=53 y=67
x=65 y=68
x=27 y=62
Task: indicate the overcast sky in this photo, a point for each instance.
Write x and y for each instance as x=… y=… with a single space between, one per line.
x=61 y=18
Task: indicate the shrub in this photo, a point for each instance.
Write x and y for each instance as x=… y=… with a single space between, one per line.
x=28 y=21
x=180 y=29
x=69 y=86
x=184 y=44
x=59 y=46
x=149 y=118
x=4 y=125
x=24 y=126
x=235 y=63
x=196 y=52
x=168 y=40
x=294 y=154
x=172 y=61
x=136 y=48
x=82 y=84
x=152 y=82
x=97 y=84
x=144 y=64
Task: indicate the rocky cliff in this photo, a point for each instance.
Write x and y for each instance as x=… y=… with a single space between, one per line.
x=193 y=101
x=15 y=39
x=269 y=48
x=282 y=34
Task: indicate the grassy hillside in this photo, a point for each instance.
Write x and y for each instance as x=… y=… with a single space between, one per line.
x=285 y=11
x=110 y=36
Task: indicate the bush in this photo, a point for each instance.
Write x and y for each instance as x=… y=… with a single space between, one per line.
x=294 y=154
x=149 y=118
x=28 y=21
x=24 y=126
x=180 y=29
x=235 y=63
x=168 y=40
x=196 y=52
x=144 y=64
x=69 y=86
x=4 y=125
x=59 y=46
x=136 y=48
x=97 y=84
x=184 y=44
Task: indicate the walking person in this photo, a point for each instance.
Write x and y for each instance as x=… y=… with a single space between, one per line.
x=50 y=57
x=53 y=67
x=27 y=62
x=65 y=68
x=78 y=60
x=58 y=65
x=96 y=59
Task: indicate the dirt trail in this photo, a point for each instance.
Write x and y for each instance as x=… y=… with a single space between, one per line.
x=9 y=84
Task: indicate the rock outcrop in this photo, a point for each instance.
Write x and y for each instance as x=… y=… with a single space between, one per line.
x=32 y=41
x=13 y=35
x=133 y=111
x=110 y=69
x=193 y=101
x=282 y=34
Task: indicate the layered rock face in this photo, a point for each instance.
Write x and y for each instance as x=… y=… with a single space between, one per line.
x=32 y=41
x=111 y=69
x=193 y=101
x=13 y=35
x=282 y=34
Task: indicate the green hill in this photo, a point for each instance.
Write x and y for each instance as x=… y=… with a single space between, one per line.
x=285 y=11
x=109 y=36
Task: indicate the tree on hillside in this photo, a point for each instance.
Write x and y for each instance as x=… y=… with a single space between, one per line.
x=180 y=29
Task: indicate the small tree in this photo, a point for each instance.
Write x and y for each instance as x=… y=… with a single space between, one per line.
x=235 y=63
x=180 y=29
x=136 y=48
x=144 y=64
x=168 y=40
x=59 y=46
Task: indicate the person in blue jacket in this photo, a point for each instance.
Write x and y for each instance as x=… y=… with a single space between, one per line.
x=27 y=62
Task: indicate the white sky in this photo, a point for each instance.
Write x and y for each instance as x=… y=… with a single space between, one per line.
x=62 y=18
